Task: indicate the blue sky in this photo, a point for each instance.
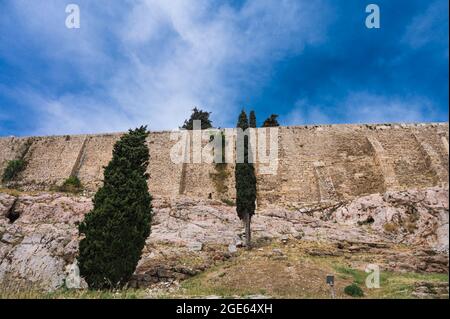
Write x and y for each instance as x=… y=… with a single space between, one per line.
x=136 y=62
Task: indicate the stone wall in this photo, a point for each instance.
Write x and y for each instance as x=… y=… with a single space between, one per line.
x=316 y=164
x=339 y=162
x=165 y=176
x=50 y=160
x=94 y=156
x=12 y=148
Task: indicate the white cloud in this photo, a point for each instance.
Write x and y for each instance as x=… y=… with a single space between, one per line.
x=363 y=107
x=430 y=26
x=306 y=113
x=64 y=115
x=151 y=61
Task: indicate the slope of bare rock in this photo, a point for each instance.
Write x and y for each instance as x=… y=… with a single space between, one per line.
x=36 y=247
x=414 y=217
x=427 y=290
x=39 y=237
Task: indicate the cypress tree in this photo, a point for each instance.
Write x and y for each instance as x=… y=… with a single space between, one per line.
x=116 y=229
x=245 y=184
x=252 y=119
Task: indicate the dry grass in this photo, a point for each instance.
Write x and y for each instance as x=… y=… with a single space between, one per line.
x=74 y=294
x=390 y=227
x=299 y=275
x=10 y=191
x=261 y=271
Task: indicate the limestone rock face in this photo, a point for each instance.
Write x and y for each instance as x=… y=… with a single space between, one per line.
x=39 y=236
x=37 y=246
x=73 y=279
x=417 y=217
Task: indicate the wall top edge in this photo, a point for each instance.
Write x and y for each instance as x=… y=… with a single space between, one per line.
x=371 y=126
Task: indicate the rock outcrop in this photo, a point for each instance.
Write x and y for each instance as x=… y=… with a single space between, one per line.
x=39 y=237
x=415 y=217
x=41 y=241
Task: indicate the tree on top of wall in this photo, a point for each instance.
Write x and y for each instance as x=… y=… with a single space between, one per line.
x=271 y=121
x=252 y=119
x=198 y=114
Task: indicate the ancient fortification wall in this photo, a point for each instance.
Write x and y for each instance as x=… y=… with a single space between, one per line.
x=93 y=155
x=12 y=148
x=329 y=163
x=315 y=163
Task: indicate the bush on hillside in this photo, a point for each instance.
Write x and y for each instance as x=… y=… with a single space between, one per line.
x=354 y=290
x=13 y=168
x=71 y=185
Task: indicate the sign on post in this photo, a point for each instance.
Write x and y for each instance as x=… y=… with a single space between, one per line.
x=330 y=282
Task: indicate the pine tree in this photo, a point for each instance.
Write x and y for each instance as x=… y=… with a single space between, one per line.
x=271 y=121
x=116 y=229
x=198 y=114
x=252 y=119
x=245 y=184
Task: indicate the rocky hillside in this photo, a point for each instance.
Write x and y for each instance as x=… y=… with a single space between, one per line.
x=406 y=231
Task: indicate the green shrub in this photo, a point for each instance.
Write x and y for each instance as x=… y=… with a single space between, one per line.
x=13 y=168
x=116 y=229
x=354 y=290
x=71 y=185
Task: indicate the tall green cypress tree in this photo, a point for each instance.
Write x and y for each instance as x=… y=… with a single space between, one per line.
x=116 y=229
x=252 y=119
x=245 y=184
